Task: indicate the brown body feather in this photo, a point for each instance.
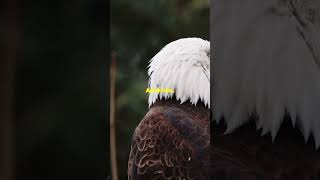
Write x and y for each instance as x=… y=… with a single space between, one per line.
x=171 y=142
x=246 y=155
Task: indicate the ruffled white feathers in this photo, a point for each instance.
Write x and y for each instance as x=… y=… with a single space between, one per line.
x=184 y=66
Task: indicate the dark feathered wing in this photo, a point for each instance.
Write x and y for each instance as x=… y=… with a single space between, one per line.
x=170 y=143
x=245 y=155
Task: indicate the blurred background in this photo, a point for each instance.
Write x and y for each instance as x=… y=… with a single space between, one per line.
x=54 y=90
x=138 y=30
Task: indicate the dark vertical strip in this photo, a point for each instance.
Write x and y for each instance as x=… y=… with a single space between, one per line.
x=212 y=55
x=7 y=94
x=107 y=55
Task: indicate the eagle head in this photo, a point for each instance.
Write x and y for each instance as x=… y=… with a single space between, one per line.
x=184 y=66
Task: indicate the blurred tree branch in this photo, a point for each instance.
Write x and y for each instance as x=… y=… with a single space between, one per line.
x=112 y=117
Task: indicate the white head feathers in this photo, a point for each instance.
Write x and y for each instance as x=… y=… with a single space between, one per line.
x=184 y=66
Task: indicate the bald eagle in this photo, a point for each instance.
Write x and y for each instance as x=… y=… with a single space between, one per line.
x=172 y=141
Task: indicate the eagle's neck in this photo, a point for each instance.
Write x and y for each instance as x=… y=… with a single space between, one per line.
x=199 y=111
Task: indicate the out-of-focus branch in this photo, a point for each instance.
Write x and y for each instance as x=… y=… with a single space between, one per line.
x=113 y=144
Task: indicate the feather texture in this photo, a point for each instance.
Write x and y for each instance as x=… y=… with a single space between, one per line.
x=182 y=65
x=268 y=66
x=171 y=142
x=245 y=155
